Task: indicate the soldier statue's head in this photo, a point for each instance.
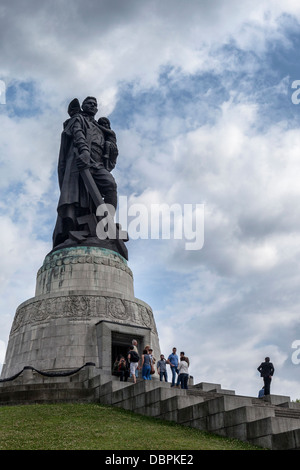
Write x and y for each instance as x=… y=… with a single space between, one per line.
x=89 y=106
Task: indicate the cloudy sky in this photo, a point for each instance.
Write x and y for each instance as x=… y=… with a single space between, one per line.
x=200 y=94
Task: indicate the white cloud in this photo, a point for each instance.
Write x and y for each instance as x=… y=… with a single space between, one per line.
x=128 y=41
x=247 y=269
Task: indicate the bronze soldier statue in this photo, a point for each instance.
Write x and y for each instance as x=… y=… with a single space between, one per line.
x=88 y=154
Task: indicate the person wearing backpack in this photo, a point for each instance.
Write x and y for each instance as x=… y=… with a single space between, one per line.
x=133 y=359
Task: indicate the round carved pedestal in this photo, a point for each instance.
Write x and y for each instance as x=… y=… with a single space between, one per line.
x=76 y=290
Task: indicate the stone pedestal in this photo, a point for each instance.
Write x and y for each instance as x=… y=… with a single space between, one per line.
x=84 y=310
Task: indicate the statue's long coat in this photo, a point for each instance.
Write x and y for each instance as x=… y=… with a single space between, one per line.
x=73 y=193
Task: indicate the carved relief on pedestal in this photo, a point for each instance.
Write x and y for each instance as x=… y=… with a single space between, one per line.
x=80 y=307
x=144 y=316
x=116 y=308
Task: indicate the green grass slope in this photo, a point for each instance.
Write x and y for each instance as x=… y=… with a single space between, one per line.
x=98 y=427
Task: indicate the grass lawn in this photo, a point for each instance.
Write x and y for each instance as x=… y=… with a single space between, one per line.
x=98 y=427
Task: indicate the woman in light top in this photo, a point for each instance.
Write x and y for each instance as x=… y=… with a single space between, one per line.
x=183 y=372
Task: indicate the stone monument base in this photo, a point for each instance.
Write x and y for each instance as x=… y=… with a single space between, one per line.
x=84 y=310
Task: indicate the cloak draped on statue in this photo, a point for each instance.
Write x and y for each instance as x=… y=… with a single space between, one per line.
x=74 y=199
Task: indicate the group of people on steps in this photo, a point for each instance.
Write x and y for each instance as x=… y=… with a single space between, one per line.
x=126 y=367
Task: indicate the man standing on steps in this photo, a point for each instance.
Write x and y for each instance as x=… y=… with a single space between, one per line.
x=173 y=362
x=162 y=368
x=133 y=360
x=266 y=370
x=134 y=344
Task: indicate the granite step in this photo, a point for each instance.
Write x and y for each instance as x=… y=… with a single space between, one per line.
x=46 y=395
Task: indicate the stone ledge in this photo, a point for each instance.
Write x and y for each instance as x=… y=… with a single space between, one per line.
x=82 y=255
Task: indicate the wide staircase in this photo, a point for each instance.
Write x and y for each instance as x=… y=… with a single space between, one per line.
x=272 y=422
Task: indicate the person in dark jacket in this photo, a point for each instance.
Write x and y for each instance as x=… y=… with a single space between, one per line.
x=266 y=370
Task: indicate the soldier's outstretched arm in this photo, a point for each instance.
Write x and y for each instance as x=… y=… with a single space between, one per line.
x=80 y=142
